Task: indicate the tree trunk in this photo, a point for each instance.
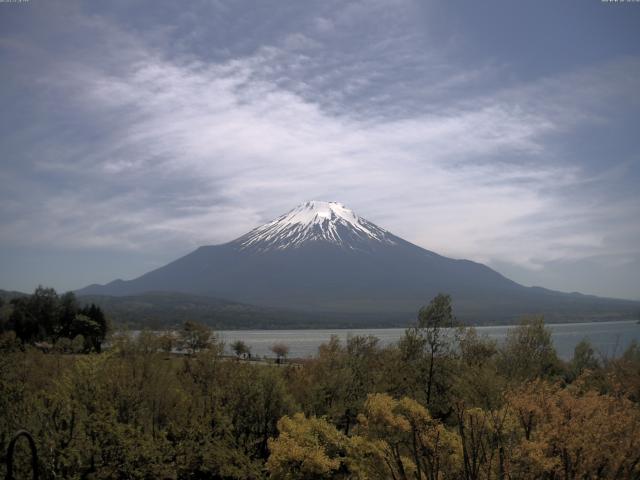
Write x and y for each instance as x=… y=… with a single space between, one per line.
x=430 y=378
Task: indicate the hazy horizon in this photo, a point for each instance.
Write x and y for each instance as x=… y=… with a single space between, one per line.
x=497 y=132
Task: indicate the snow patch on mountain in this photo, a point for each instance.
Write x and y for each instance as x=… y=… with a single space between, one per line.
x=315 y=221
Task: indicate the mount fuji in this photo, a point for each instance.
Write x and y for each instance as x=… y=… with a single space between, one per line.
x=323 y=258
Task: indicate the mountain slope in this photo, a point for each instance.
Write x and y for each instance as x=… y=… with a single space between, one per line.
x=321 y=257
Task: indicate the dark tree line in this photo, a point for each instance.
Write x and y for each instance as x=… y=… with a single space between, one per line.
x=46 y=317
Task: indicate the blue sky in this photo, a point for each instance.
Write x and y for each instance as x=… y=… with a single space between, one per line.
x=503 y=132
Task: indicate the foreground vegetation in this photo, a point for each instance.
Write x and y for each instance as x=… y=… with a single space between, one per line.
x=434 y=406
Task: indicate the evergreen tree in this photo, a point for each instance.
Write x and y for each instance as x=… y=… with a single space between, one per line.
x=67 y=311
x=23 y=322
x=96 y=331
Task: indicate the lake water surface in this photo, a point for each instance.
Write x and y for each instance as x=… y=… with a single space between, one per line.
x=608 y=338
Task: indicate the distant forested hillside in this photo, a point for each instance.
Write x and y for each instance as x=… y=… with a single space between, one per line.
x=162 y=309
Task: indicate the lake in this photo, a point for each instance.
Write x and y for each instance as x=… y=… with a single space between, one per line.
x=608 y=338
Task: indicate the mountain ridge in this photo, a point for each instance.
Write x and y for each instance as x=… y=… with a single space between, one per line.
x=321 y=257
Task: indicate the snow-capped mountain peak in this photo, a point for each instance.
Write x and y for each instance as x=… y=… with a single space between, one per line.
x=315 y=221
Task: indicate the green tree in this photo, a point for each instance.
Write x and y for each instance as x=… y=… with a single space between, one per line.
x=584 y=358
x=195 y=336
x=35 y=318
x=240 y=349
x=254 y=398
x=67 y=310
x=431 y=332
x=97 y=334
x=88 y=329
x=528 y=351
x=432 y=322
x=45 y=316
x=475 y=350
x=43 y=305
x=362 y=361
x=23 y=322
x=79 y=344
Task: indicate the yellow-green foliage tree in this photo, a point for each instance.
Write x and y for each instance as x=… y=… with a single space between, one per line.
x=410 y=443
x=567 y=433
x=308 y=448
